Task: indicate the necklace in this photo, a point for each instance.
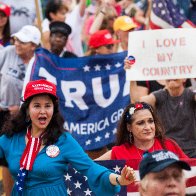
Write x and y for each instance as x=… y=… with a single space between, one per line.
x=140 y=152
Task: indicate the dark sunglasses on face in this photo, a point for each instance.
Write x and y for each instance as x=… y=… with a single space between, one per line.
x=109 y=46
x=2 y=15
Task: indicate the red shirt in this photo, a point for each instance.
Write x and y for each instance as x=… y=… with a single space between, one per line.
x=127 y=151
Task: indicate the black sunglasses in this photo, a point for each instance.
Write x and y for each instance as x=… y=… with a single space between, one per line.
x=109 y=46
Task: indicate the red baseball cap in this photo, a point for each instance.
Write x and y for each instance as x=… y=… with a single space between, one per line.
x=5 y=9
x=101 y=38
x=37 y=87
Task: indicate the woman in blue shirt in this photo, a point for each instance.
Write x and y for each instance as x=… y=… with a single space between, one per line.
x=38 y=149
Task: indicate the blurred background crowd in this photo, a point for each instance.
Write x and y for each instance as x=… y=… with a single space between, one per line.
x=77 y=28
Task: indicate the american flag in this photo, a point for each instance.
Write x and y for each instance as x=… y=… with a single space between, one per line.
x=167 y=14
x=77 y=184
x=20 y=182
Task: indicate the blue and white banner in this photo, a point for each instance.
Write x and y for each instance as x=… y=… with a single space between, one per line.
x=92 y=93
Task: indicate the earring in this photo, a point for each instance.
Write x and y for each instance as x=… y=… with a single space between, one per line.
x=130 y=137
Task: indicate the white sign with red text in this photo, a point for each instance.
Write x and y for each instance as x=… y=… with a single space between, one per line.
x=162 y=54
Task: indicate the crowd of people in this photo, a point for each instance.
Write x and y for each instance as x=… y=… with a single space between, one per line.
x=159 y=122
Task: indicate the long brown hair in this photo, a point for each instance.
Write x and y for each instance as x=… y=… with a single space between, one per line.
x=126 y=118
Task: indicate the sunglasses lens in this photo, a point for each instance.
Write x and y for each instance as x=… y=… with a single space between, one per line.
x=110 y=46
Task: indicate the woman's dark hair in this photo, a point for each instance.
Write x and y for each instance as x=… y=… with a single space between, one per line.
x=53 y=6
x=126 y=118
x=18 y=123
x=6 y=32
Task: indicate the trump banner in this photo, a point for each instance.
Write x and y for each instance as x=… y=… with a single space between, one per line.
x=77 y=184
x=162 y=54
x=92 y=93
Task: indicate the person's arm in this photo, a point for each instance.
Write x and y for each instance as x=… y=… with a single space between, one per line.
x=82 y=8
x=127 y=177
x=136 y=92
x=46 y=34
x=105 y=156
x=100 y=178
x=147 y=15
x=105 y=5
x=46 y=40
x=150 y=99
x=8 y=181
x=98 y=20
x=127 y=174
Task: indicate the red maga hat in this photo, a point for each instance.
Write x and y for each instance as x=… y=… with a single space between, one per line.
x=101 y=38
x=5 y=9
x=37 y=87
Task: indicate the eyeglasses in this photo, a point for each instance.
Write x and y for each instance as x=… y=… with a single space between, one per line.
x=2 y=15
x=109 y=46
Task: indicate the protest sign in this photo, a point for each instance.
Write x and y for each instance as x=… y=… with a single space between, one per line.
x=162 y=54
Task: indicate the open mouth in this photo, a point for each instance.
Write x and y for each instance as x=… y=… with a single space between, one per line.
x=42 y=120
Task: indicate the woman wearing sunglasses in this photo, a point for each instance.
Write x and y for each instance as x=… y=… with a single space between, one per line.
x=101 y=42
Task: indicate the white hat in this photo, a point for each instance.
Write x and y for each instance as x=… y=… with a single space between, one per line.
x=29 y=33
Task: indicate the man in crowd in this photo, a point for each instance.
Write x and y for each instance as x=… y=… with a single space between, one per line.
x=59 y=33
x=161 y=173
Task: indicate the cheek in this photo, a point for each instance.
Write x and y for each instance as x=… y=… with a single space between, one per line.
x=153 y=188
x=18 y=49
x=99 y=51
x=51 y=112
x=27 y=49
x=61 y=17
x=33 y=114
x=153 y=127
x=134 y=128
x=135 y=131
x=21 y=50
x=3 y=21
